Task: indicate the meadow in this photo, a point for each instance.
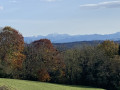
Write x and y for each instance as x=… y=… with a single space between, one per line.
x=13 y=84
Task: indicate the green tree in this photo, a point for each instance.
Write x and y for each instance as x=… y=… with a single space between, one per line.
x=110 y=48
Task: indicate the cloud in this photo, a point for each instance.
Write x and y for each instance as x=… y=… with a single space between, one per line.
x=50 y=0
x=13 y=1
x=109 y=4
x=1 y=7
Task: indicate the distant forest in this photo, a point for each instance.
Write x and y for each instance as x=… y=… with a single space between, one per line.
x=94 y=63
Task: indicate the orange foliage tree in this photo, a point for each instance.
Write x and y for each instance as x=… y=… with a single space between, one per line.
x=43 y=61
x=52 y=59
x=11 y=48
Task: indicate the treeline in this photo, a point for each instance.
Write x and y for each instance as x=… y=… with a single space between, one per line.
x=95 y=65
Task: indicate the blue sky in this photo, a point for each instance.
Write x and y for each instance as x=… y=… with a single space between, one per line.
x=42 y=17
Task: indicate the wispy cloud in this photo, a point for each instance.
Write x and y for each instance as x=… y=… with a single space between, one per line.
x=50 y=0
x=109 y=4
x=13 y=1
x=1 y=7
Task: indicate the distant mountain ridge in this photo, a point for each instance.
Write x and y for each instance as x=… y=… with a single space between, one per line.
x=65 y=38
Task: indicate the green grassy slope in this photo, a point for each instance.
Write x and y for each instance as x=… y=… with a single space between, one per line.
x=31 y=85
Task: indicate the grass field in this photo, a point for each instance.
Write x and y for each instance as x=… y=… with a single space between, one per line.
x=13 y=84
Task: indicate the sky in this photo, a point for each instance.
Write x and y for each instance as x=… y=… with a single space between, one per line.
x=74 y=17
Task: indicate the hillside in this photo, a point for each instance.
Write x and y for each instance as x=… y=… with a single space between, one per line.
x=64 y=46
x=31 y=85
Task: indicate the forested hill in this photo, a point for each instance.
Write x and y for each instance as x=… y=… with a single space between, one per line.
x=64 y=46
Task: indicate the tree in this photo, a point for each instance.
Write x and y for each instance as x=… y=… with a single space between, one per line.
x=110 y=48
x=43 y=61
x=91 y=66
x=11 y=46
x=51 y=58
x=33 y=66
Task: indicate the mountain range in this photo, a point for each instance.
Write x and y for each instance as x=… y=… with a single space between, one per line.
x=65 y=38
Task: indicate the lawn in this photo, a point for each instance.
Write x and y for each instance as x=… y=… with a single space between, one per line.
x=14 y=84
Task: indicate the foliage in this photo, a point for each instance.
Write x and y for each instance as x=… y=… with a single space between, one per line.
x=94 y=65
x=110 y=48
x=48 y=65
x=91 y=66
x=11 y=46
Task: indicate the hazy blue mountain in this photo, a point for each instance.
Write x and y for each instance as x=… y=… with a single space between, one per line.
x=64 y=38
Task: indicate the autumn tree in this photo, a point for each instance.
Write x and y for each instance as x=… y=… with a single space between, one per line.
x=44 y=61
x=11 y=48
x=33 y=66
